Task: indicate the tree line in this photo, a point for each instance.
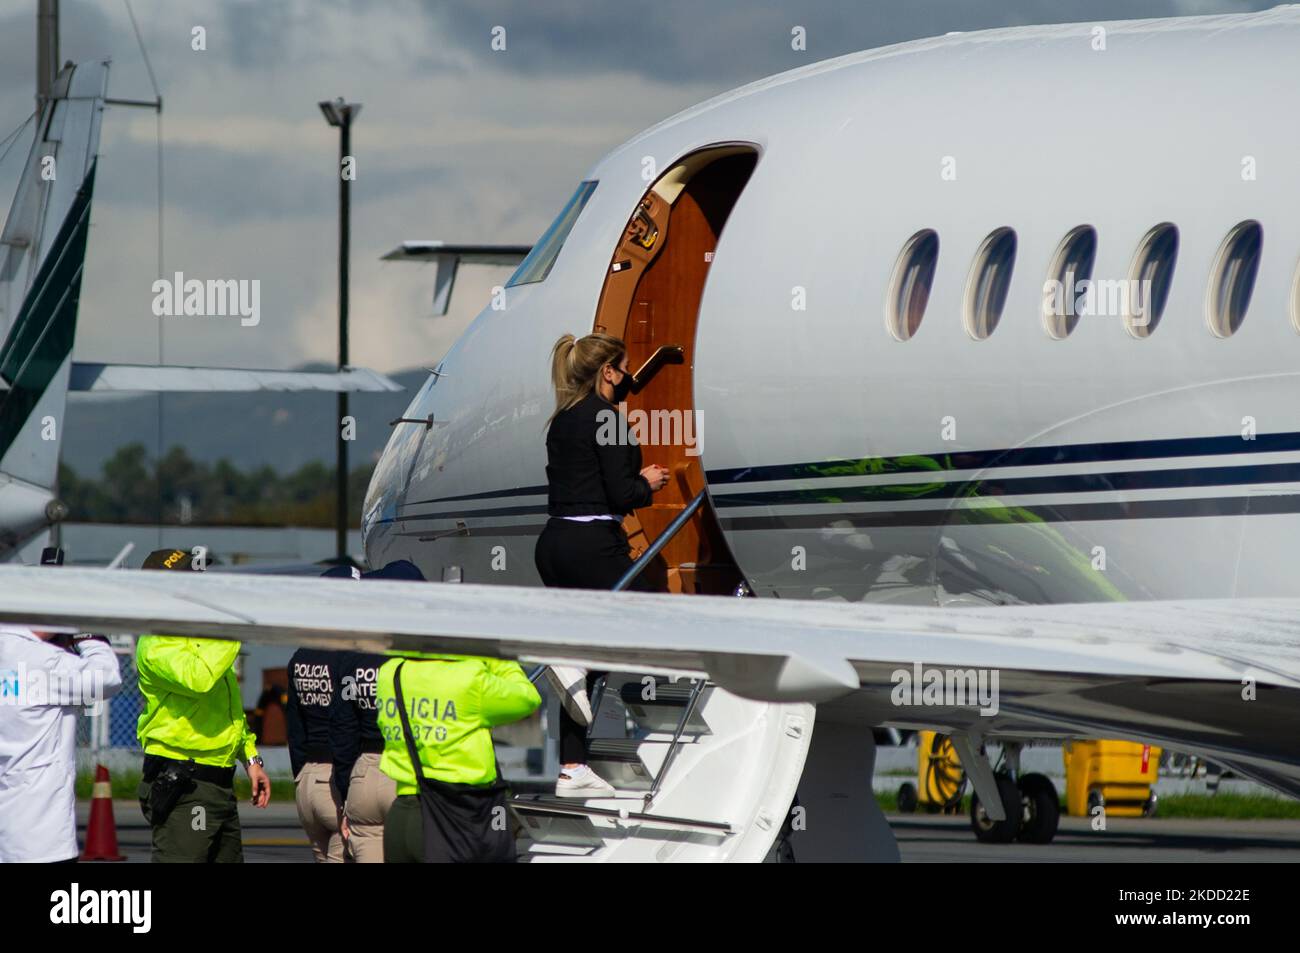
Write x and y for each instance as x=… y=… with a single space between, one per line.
x=132 y=488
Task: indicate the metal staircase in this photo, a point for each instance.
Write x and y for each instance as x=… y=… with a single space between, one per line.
x=700 y=774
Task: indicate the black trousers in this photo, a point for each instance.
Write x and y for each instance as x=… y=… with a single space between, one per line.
x=573 y=555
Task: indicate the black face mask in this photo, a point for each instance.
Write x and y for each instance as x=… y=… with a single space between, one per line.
x=623 y=388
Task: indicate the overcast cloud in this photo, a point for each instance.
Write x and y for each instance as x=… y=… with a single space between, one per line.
x=455 y=141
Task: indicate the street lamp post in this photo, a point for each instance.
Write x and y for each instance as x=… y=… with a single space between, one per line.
x=47 y=50
x=340 y=114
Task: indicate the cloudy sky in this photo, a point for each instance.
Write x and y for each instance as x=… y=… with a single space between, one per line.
x=456 y=141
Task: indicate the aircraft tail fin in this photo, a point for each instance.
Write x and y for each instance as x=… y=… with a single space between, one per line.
x=42 y=260
x=36 y=357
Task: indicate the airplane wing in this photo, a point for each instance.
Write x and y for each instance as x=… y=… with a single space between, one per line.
x=1220 y=678
x=448 y=256
x=176 y=379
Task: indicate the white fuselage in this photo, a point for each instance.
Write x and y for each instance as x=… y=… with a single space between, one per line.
x=844 y=463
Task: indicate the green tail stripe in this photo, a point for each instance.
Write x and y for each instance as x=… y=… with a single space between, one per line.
x=42 y=337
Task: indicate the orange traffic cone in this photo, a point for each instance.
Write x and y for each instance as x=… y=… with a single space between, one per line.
x=101 y=832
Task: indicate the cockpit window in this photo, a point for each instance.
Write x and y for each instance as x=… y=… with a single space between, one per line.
x=538 y=263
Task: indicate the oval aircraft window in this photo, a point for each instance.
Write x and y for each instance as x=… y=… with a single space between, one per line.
x=1149 y=280
x=1066 y=291
x=909 y=287
x=1233 y=280
x=988 y=282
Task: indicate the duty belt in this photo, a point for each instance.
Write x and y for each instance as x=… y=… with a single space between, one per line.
x=224 y=777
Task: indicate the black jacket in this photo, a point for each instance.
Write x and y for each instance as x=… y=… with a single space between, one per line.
x=313 y=684
x=593 y=464
x=354 y=720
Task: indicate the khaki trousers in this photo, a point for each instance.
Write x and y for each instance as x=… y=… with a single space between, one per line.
x=370 y=794
x=319 y=811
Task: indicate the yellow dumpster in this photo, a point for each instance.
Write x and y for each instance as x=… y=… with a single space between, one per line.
x=1116 y=775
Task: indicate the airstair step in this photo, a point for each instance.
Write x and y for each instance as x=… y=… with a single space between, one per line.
x=618 y=761
x=663 y=712
x=543 y=805
x=571 y=829
x=614 y=749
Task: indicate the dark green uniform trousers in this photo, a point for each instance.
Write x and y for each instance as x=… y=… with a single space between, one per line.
x=404 y=832
x=203 y=827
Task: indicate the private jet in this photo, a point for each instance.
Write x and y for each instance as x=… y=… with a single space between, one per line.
x=912 y=452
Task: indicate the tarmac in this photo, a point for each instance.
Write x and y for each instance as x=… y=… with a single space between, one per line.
x=938 y=839
x=272 y=835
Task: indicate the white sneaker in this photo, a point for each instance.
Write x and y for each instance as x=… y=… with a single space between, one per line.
x=582 y=782
x=571 y=685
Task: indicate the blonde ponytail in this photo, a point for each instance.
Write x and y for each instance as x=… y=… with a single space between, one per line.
x=576 y=363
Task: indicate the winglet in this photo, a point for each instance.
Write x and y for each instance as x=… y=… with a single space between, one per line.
x=447 y=258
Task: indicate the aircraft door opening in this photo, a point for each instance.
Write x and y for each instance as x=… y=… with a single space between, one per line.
x=651 y=299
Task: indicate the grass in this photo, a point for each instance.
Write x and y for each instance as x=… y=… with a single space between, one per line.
x=126 y=786
x=1230 y=805
x=888 y=801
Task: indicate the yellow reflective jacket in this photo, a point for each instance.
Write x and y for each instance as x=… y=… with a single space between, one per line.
x=453 y=702
x=193 y=708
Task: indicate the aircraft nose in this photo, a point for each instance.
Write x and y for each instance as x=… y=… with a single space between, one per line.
x=385 y=494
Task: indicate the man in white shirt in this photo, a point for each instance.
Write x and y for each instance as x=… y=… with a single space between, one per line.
x=42 y=687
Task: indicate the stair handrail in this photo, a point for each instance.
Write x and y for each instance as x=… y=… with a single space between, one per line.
x=638 y=567
x=540 y=804
x=697 y=689
x=663 y=539
x=698 y=686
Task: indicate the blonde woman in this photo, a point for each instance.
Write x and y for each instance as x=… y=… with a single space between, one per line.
x=593 y=480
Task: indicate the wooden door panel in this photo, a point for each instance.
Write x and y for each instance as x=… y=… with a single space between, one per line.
x=655 y=301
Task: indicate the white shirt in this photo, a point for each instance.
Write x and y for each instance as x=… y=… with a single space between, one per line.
x=42 y=688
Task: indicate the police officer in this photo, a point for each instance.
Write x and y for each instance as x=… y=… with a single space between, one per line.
x=365 y=791
x=193 y=731
x=436 y=714
x=46 y=677
x=313 y=690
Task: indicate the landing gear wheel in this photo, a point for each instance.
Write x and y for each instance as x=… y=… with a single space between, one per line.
x=1041 y=809
x=907 y=799
x=1149 y=808
x=989 y=831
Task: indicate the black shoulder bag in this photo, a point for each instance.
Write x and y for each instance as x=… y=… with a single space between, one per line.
x=463 y=823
